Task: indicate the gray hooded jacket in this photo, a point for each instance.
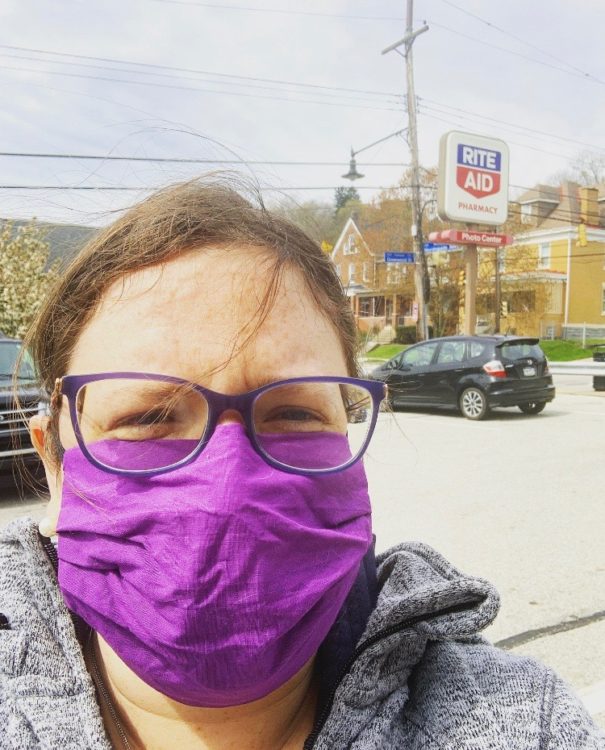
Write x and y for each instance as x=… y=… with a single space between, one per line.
x=420 y=677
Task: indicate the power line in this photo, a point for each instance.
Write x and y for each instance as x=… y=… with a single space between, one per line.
x=176 y=69
x=113 y=188
x=512 y=52
x=453 y=118
x=193 y=88
x=184 y=160
x=248 y=9
x=515 y=125
x=333 y=95
x=519 y=39
x=278 y=82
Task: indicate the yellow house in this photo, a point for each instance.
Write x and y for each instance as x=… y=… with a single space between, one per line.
x=552 y=280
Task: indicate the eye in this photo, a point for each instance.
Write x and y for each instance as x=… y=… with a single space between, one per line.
x=292 y=414
x=144 y=419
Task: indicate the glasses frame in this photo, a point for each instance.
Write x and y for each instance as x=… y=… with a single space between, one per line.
x=70 y=385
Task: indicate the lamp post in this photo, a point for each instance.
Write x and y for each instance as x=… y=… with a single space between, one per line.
x=353 y=174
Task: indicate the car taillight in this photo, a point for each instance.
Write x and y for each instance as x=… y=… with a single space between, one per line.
x=495 y=368
x=546 y=368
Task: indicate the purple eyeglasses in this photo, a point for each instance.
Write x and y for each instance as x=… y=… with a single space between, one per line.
x=134 y=423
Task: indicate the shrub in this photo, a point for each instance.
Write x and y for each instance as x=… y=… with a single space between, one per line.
x=407 y=334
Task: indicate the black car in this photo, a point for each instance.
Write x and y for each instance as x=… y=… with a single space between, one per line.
x=473 y=373
x=15 y=413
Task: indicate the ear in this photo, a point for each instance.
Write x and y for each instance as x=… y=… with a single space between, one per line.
x=39 y=430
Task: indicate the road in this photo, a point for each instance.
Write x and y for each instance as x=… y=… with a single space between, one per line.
x=516 y=499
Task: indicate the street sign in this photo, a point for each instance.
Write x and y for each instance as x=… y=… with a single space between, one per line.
x=399 y=257
x=438 y=247
x=471 y=237
x=473 y=178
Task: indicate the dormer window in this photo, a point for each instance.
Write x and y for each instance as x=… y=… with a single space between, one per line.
x=527 y=213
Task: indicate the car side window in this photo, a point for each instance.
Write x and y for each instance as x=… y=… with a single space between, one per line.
x=451 y=352
x=419 y=356
x=476 y=349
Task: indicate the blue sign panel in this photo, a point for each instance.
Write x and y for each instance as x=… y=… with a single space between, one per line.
x=479 y=158
x=399 y=257
x=437 y=247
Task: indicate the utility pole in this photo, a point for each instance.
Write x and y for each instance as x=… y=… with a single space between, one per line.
x=421 y=270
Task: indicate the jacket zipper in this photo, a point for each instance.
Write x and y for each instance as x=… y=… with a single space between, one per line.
x=386 y=633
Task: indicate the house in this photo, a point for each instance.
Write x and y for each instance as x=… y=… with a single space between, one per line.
x=381 y=294
x=553 y=277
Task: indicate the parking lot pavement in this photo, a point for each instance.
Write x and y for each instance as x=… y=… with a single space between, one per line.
x=516 y=499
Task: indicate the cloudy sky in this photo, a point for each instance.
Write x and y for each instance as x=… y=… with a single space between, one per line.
x=251 y=81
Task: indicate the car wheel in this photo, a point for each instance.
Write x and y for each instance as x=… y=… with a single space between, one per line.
x=473 y=403
x=532 y=407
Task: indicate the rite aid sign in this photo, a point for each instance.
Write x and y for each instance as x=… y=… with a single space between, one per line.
x=473 y=179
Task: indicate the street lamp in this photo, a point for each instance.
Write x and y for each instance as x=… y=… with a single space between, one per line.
x=353 y=174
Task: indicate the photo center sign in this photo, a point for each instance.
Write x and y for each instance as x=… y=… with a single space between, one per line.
x=473 y=179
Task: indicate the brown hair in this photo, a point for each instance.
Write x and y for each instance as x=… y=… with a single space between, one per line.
x=186 y=216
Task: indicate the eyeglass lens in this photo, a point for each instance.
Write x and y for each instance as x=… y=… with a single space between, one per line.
x=133 y=424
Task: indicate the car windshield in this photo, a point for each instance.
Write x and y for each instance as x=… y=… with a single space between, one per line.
x=521 y=350
x=9 y=353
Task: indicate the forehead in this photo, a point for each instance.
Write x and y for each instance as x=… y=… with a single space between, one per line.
x=195 y=313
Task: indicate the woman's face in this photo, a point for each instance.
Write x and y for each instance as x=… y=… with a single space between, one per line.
x=189 y=317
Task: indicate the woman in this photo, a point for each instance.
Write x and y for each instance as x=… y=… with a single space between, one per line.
x=216 y=582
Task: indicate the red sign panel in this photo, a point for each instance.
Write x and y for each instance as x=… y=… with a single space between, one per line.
x=471 y=237
x=477 y=182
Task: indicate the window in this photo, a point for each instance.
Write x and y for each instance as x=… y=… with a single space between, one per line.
x=522 y=301
x=544 y=255
x=352 y=272
x=527 y=213
x=451 y=352
x=365 y=307
x=366 y=271
x=476 y=348
x=350 y=245
x=419 y=356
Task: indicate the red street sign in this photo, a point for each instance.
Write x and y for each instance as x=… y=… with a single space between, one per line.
x=471 y=237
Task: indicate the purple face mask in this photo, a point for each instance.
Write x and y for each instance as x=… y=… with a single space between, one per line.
x=217 y=582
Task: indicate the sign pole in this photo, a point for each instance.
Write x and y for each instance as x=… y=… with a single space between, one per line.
x=498 y=292
x=470 y=292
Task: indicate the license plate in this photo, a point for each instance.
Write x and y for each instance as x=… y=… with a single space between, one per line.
x=529 y=372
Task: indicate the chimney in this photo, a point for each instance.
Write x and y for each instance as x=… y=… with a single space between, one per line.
x=589 y=206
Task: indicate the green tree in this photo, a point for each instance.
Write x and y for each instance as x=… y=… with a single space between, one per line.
x=316 y=219
x=344 y=195
x=25 y=275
